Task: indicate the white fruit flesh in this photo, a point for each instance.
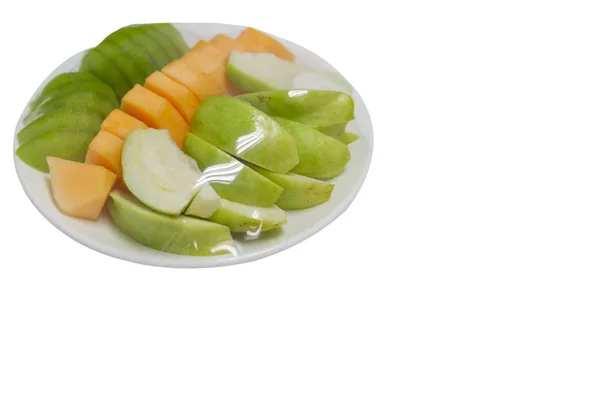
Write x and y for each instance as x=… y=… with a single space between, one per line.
x=205 y=203
x=158 y=173
x=243 y=218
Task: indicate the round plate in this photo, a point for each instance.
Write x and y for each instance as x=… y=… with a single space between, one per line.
x=103 y=235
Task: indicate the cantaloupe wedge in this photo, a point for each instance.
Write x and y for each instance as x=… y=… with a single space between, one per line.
x=121 y=124
x=183 y=99
x=155 y=111
x=80 y=190
x=105 y=150
x=226 y=43
x=207 y=48
x=220 y=77
x=254 y=40
x=201 y=84
x=201 y=62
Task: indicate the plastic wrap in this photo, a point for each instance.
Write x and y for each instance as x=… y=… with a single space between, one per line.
x=191 y=145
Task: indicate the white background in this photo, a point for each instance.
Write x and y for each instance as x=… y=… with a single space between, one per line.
x=467 y=267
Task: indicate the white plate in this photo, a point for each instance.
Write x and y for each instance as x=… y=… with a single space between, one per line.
x=104 y=237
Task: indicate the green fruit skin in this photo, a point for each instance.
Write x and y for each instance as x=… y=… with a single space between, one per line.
x=67 y=81
x=231 y=179
x=299 y=192
x=144 y=36
x=91 y=101
x=315 y=108
x=130 y=57
x=61 y=120
x=245 y=222
x=321 y=156
x=156 y=33
x=174 y=43
x=101 y=66
x=245 y=82
x=62 y=144
x=241 y=130
x=349 y=137
x=171 y=234
x=335 y=131
x=97 y=86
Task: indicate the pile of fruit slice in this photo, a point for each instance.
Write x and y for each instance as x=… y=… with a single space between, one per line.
x=190 y=155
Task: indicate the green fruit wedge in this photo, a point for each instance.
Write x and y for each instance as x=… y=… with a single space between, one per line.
x=175 y=37
x=349 y=137
x=65 y=144
x=335 y=130
x=157 y=33
x=241 y=130
x=299 y=192
x=205 y=203
x=100 y=65
x=67 y=82
x=171 y=234
x=59 y=121
x=158 y=173
x=315 y=108
x=231 y=179
x=128 y=56
x=243 y=218
x=140 y=34
x=321 y=156
x=85 y=100
x=255 y=72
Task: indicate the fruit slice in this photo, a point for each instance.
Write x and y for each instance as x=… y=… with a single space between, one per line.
x=131 y=51
x=321 y=156
x=207 y=48
x=243 y=218
x=226 y=43
x=255 y=40
x=157 y=33
x=201 y=62
x=205 y=203
x=201 y=84
x=263 y=71
x=245 y=132
x=80 y=190
x=84 y=100
x=96 y=62
x=175 y=36
x=158 y=173
x=105 y=150
x=179 y=235
x=154 y=111
x=121 y=124
x=231 y=179
x=299 y=192
x=69 y=82
x=61 y=120
x=335 y=130
x=315 y=108
x=349 y=137
x=181 y=97
x=143 y=35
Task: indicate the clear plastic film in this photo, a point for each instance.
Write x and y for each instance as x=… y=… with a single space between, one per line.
x=203 y=141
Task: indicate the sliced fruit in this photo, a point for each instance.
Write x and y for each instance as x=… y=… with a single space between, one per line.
x=99 y=64
x=105 y=150
x=245 y=132
x=263 y=71
x=205 y=203
x=207 y=48
x=61 y=120
x=144 y=36
x=335 y=130
x=67 y=82
x=154 y=111
x=243 y=218
x=201 y=62
x=175 y=37
x=349 y=137
x=179 y=235
x=181 y=97
x=121 y=124
x=299 y=192
x=157 y=32
x=79 y=190
x=321 y=156
x=85 y=100
x=132 y=51
x=226 y=43
x=201 y=84
x=158 y=173
x=315 y=108
x=231 y=179
x=253 y=39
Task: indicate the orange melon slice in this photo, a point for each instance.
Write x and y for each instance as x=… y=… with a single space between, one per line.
x=121 y=124
x=211 y=51
x=155 y=111
x=226 y=44
x=183 y=99
x=254 y=40
x=79 y=190
x=201 y=84
x=105 y=150
x=200 y=62
x=220 y=77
